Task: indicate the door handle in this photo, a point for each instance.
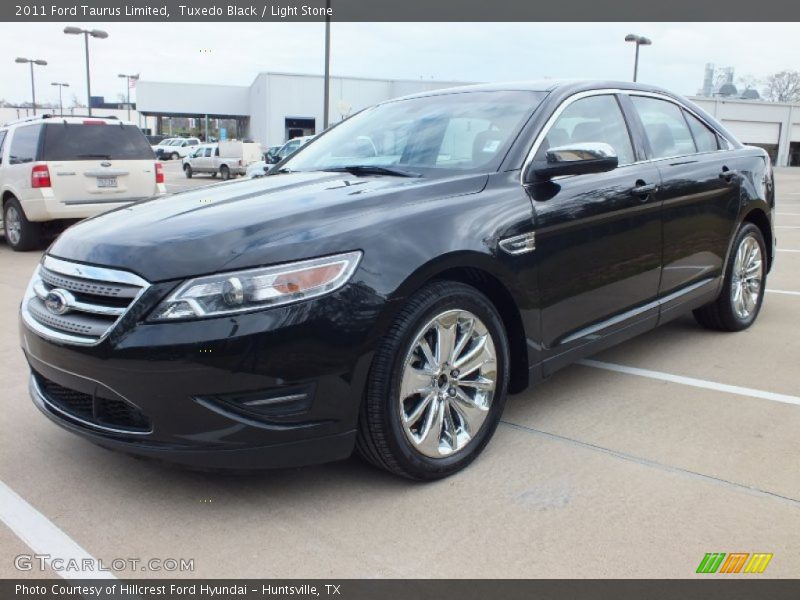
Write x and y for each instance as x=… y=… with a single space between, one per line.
x=643 y=189
x=728 y=174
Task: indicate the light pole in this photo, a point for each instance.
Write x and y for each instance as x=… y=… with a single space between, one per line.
x=639 y=40
x=95 y=33
x=61 y=86
x=128 y=79
x=327 y=83
x=31 y=62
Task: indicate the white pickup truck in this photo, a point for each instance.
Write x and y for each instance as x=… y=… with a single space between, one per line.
x=229 y=159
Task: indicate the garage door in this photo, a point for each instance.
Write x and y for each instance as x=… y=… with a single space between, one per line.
x=749 y=132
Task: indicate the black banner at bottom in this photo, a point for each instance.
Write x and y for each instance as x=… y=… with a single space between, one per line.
x=713 y=588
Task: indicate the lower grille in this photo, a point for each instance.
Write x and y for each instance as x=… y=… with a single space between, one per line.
x=103 y=413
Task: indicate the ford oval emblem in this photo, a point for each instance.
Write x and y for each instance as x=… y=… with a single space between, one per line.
x=57 y=301
x=105 y=163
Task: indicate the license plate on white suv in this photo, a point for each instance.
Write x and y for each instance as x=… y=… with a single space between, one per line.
x=106 y=182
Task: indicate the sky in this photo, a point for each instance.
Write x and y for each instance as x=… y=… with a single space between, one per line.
x=233 y=53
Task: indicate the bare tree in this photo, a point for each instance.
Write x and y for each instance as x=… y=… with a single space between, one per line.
x=783 y=87
x=75 y=103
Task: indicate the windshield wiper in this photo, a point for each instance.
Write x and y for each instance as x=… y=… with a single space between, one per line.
x=106 y=156
x=373 y=170
x=279 y=171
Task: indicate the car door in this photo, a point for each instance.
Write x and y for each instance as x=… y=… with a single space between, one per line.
x=699 y=192
x=598 y=236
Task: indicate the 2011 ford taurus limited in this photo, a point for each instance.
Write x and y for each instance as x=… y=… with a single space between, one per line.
x=385 y=287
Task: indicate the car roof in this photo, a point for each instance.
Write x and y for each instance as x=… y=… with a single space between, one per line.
x=543 y=85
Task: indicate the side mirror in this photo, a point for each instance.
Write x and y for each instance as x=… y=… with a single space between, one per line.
x=573 y=159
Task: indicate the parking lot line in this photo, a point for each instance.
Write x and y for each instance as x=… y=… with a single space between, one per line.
x=783 y=214
x=45 y=538
x=691 y=381
x=787 y=250
x=787 y=226
x=648 y=462
x=783 y=292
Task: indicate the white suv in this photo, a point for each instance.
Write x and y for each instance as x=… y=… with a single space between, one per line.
x=175 y=148
x=61 y=169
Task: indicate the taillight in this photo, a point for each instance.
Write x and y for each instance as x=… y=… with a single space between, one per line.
x=40 y=176
x=159 y=173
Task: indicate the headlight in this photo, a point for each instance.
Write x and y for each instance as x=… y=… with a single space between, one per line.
x=257 y=289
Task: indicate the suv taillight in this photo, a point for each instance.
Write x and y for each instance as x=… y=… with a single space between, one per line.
x=40 y=176
x=159 y=173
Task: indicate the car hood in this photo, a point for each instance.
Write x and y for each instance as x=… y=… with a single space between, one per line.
x=248 y=223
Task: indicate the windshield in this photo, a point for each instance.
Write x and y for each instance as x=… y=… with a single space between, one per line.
x=460 y=131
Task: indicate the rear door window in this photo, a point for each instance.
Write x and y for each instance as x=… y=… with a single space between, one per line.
x=77 y=141
x=24 y=144
x=665 y=127
x=705 y=139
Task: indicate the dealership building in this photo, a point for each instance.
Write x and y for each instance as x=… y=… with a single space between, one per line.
x=275 y=107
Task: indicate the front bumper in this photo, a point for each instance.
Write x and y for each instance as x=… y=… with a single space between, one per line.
x=205 y=391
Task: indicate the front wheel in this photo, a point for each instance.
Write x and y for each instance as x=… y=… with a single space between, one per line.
x=739 y=303
x=174 y=156
x=437 y=385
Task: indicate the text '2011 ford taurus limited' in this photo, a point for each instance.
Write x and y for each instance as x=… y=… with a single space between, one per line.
x=386 y=286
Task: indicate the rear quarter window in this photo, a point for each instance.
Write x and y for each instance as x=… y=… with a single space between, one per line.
x=24 y=144
x=76 y=141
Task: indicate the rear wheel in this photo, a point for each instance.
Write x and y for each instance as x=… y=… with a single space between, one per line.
x=174 y=156
x=224 y=172
x=739 y=303
x=187 y=170
x=21 y=234
x=437 y=385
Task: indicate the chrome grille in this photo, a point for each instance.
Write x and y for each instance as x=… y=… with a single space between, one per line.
x=78 y=304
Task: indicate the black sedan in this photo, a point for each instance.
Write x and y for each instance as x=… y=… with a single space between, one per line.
x=387 y=285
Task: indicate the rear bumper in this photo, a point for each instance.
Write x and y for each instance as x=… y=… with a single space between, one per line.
x=49 y=208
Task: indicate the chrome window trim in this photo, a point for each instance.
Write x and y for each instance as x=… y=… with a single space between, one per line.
x=609 y=91
x=85 y=272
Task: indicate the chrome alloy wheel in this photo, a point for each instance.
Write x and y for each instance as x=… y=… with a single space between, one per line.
x=13 y=225
x=747 y=276
x=448 y=383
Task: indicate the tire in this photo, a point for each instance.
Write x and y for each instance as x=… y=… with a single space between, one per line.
x=225 y=172
x=214 y=175
x=391 y=432
x=174 y=156
x=187 y=170
x=20 y=233
x=739 y=302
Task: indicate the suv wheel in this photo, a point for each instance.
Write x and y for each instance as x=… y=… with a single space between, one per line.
x=187 y=170
x=224 y=172
x=174 y=156
x=437 y=385
x=739 y=303
x=21 y=234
